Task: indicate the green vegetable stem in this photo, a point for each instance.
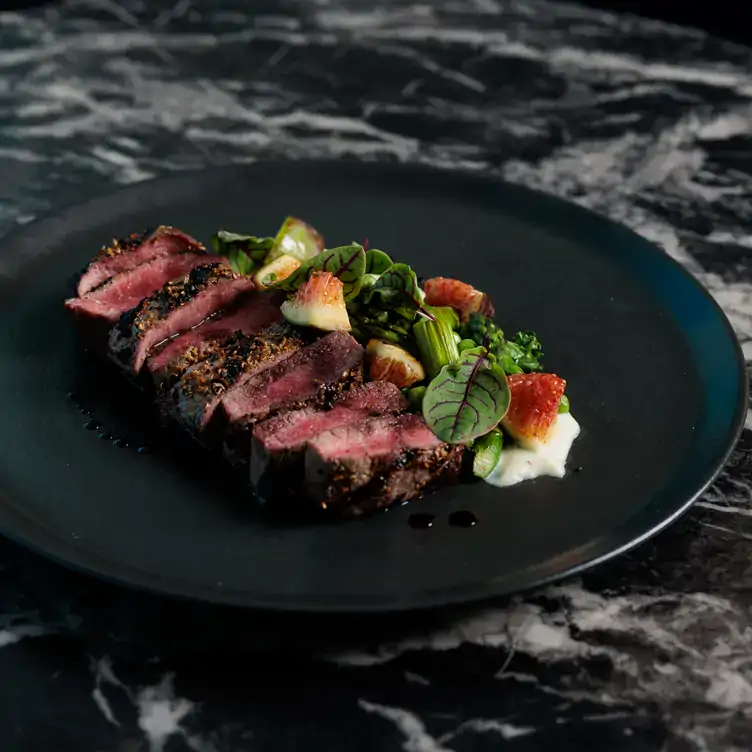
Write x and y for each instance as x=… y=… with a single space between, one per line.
x=436 y=345
x=392 y=325
x=487 y=451
x=444 y=313
x=564 y=404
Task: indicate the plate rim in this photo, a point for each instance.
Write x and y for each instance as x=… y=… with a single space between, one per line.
x=617 y=541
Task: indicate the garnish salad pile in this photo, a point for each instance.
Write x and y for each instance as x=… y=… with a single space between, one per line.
x=438 y=342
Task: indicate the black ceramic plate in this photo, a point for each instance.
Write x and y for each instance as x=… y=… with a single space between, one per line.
x=625 y=325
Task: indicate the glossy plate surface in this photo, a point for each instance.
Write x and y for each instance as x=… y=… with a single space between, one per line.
x=625 y=325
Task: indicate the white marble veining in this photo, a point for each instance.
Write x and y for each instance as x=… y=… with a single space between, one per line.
x=648 y=124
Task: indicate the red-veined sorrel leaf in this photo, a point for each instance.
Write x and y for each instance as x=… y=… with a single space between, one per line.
x=467 y=399
x=398 y=286
x=348 y=263
x=243 y=252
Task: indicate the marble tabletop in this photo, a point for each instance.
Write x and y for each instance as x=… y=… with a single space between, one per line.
x=647 y=123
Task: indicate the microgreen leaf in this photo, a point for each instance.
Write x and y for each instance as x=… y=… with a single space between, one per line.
x=243 y=252
x=467 y=399
x=398 y=285
x=377 y=262
x=347 y=262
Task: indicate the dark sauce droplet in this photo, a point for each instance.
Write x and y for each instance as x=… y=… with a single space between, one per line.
x=420 y=521
x=578 y=469
x=104 y=436
x=462 y=519
x=91 y=425
x=144 y=450
x=73 y=396
x=120 y=443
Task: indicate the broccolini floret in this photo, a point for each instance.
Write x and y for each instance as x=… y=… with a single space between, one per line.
x=522 y=354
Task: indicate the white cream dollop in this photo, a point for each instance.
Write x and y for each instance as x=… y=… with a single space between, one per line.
x=537 y=457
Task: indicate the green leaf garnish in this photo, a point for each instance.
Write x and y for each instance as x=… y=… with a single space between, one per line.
x=467 y=399
x=243 y=252
x=377 y=262
x=398 y=286
x=347 y=262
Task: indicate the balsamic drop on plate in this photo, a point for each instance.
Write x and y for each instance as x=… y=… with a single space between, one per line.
x=462 y=519
x=420 y=521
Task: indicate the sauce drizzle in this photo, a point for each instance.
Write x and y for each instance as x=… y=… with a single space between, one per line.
x=462 y=518
x=420 y=521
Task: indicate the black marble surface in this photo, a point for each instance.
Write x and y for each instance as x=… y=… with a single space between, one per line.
x=647 y=123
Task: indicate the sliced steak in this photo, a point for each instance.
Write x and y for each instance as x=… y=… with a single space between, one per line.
x=361 y=467
x=125 y=291
x=178 y=306
x=195 y=396
x=249 y=314
x=377 y=397
x=318 y=374
x=132 y=251
x=278 y=444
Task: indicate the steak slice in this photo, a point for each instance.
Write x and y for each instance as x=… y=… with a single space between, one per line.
x=176 y=307
x=365 y=466
x=124 y=291
x=317 y=374
x=249 y=314
x=278 y=444
x=132 y=251
x=377 y=397
x=195 y=396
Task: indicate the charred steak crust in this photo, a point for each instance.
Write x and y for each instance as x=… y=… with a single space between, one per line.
x=168 y=376
x=131 y=334
x=172 y=296
x=319 y=373
x=331 y=393
x=192 y=400
x=412 y=474
x=119 y=246
x=375 y=463
x=249 y=314
x=278 y=443
x=112 y=259
x=316 y=375
x=237 y=435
